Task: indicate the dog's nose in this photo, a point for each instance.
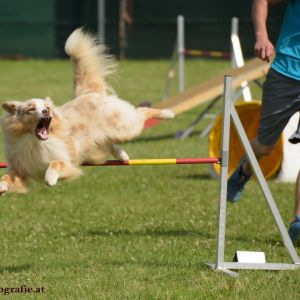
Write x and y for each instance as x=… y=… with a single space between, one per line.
x=45 y=111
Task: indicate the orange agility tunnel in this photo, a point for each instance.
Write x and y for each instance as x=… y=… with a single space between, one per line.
x=249 y=113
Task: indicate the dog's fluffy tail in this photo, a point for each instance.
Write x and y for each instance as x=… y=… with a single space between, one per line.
x=90 y=62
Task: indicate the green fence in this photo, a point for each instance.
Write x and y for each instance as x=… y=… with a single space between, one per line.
x=27 y=28
x=35 y=28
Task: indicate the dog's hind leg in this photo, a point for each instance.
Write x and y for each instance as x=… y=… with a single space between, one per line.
x=156 y=113
x=119 y=153
x=60 y=170
x=12 y=183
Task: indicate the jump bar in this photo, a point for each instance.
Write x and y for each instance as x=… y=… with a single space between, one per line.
x=203 y=53
x=159 y=161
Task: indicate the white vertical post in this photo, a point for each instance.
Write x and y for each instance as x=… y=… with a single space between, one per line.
x=234 y=34
x=224 y=171
x=101 y=21
x=237 y=59
x=180 y=52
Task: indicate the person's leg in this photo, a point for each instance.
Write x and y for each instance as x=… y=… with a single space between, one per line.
x=295 y=137
x=259 y=151
x=243 y=172
x=297 y=196
x=294 y=229
x=280 y=100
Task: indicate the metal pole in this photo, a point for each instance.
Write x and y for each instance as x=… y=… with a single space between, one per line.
x=224 y=171
x=180 y=51
x=234 y=32
x=122 y=28
x=101 y=21
x=237 y=59
x=171 y=72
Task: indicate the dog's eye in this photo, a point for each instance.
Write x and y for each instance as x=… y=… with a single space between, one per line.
x=31 y=110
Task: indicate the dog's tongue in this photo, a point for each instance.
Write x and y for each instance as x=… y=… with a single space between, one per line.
x=42 y=133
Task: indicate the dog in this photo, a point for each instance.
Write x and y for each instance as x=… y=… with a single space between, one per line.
x=49 y=143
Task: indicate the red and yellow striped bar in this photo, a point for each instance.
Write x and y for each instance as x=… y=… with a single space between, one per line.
x=160 y=161
x=153 y=161
x=203 y=53
x=3 y=165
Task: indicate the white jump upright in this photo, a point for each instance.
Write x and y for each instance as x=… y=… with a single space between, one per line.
x=101 y=20
x=180 y=52
x=237 y=59
x=229 y=112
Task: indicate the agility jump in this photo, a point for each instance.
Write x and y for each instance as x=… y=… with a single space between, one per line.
x=180 y=52
x=229 y=112
x=211 y=89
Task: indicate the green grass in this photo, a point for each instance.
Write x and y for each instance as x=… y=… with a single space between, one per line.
x=135 y=232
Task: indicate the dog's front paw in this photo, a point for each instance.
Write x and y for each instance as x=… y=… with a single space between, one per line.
x=119 y=153
x=168 y=114
x=51 y=177
x=3 y=188
x=123 y=155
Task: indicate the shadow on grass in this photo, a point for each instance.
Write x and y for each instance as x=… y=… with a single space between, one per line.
x=152 y=232
x=153 y=138
x=180 y=233
x=14 y=268
x=195 y=177
x=160 y=137
x=267 y=241
x=161 y=264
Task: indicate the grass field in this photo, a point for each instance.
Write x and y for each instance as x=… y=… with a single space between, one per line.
x=135 y=232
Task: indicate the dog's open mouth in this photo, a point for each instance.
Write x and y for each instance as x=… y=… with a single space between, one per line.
x=42 y=128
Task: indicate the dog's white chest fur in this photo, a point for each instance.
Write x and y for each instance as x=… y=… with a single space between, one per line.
x=33 y=156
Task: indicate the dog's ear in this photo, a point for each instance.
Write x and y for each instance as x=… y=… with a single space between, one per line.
x=11 y=106
x=49 y=100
